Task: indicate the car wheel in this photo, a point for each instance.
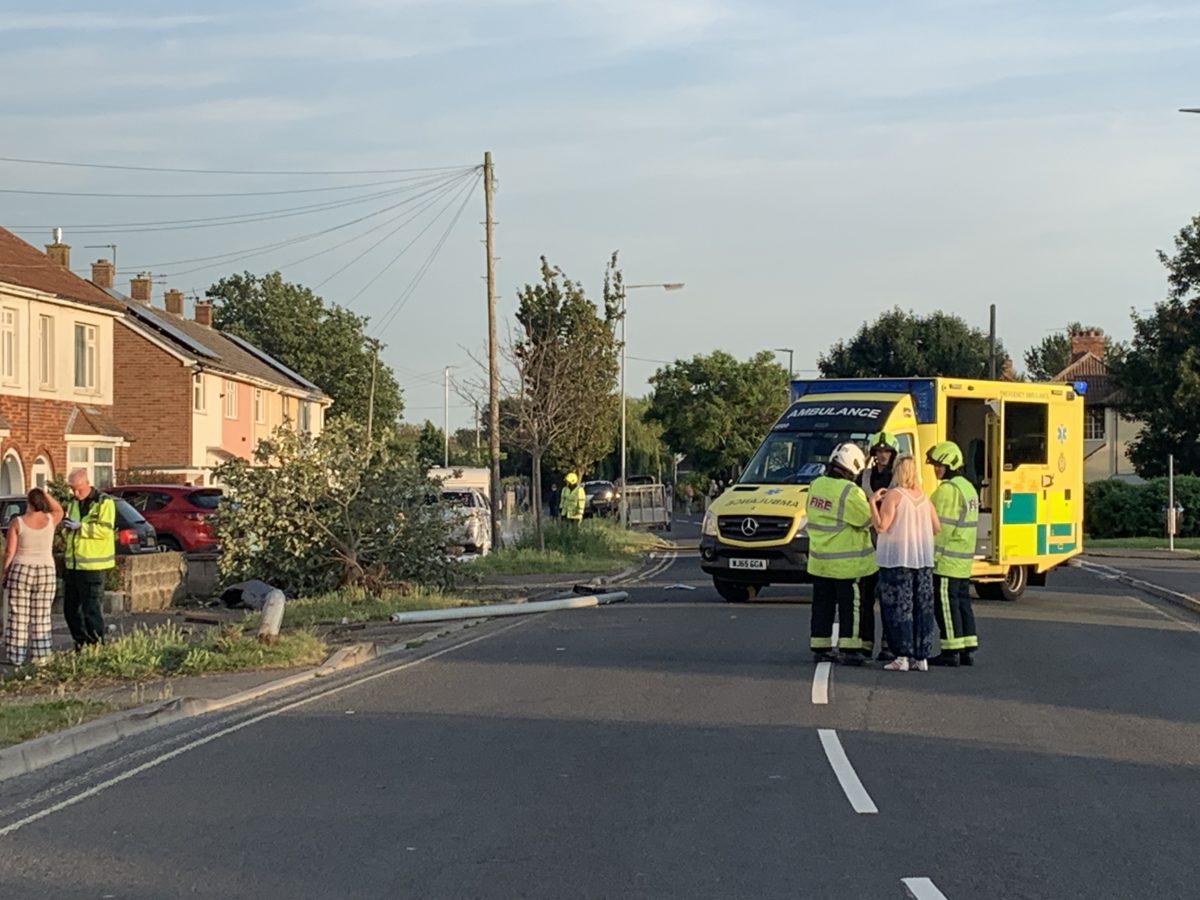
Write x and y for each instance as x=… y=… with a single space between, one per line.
x=735 y=592
x=168 y=541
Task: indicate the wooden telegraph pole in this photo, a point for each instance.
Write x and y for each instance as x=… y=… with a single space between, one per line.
x=493 y=366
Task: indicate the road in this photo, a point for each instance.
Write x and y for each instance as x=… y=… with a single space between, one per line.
x=668 y=747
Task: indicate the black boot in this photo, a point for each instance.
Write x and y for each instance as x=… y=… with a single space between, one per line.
x=829 y=656
x=967 y=658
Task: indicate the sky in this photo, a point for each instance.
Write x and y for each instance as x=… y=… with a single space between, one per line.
x=800 y=166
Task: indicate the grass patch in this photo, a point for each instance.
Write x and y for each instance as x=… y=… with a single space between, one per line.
x=1140 y=543
x=169 y=651
x=594 y=546
x=354 y=605
x=21 y=721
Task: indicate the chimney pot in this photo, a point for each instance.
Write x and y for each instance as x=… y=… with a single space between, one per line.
x=204 y=313
x=59 y=253
x=139 y=288
x=174 y=301
x=1088 y=340
x=102 y=273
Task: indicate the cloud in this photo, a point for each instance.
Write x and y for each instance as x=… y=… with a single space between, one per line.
x=101 y=22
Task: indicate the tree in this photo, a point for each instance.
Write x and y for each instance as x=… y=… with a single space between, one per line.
x=563 y=355
x=1158 y=374
x=1052 y=354
x=313 y=514
x=717 y=409
x=430 y=445
x=903 y=344
x=325 y=343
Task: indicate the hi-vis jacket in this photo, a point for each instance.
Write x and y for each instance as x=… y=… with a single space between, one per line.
x=839 y=530
x=573 y=502
x=957 y=506
x=94 y=546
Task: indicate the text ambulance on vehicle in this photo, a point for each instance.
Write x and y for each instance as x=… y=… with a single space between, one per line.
x=1023 y=447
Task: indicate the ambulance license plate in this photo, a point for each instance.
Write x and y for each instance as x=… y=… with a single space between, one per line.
x=748 y=564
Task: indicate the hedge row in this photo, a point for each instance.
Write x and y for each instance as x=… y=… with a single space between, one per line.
x=1118 y=509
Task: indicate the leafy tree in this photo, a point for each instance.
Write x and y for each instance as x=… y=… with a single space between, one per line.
x=717 y=409
x=313 y=514
x=648 y=455
x=1158 y=374
x=563 y=355
x=430 y=445
x=1052 y=354
x=324 y=342
x=902 y=344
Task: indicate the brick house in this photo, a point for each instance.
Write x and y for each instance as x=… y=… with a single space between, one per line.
x=1106 y=433
x=56 y=370
x=192 y=395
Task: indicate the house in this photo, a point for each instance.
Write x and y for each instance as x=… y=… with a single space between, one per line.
x=56 y=370
x=1106 y=433
x=192 y=395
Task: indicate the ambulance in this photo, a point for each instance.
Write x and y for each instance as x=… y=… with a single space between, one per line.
x=1023 y=446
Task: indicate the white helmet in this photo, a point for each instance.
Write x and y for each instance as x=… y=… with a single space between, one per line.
x=848 y=457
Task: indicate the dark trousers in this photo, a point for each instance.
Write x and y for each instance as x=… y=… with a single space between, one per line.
x=869 y=586
x=81 y=606
x=955 y=614
x=906 y=601
x=843 y=597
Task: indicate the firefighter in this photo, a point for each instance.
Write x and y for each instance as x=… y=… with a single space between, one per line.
x=884 y=448
x=957 y=506
x=840 y=556
x=573 y=500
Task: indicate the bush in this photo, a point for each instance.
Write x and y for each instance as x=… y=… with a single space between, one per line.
x=1118 y=509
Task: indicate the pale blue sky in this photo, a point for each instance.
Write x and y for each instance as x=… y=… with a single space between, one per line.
x=802 y=167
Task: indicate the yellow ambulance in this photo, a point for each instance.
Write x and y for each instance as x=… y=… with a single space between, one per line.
x=1023 y=445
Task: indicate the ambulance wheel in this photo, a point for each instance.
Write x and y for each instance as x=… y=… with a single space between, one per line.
x=734 y=592
x=1013 y=586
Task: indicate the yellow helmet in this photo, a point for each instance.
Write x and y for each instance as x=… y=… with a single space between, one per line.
x=572 y=479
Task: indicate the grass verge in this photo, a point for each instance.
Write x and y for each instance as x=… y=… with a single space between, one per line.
x=1140 y=543
x=168 y=651
x=347 y=606
x=593 y=546
x=22 y=721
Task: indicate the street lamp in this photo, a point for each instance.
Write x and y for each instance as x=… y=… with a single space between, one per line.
x=666 y=286
x=791 y=372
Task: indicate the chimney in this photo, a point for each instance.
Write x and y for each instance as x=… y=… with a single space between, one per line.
x=204 y=313
x=174 y=300
x=1089 y=340
x=59 y=253
x=102 y=273
x=139 y=288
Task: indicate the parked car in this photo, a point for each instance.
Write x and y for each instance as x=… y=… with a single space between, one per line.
x=602 y=498
x=469 y=514
x=181 y=514
x=134 y=533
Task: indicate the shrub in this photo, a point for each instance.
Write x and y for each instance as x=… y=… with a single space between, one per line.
x=1118 y=509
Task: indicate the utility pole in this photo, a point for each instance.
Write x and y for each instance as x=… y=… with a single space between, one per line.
x=476 y=424
x=371 y=395
x=992 y=344
x=493 y=366
x=446 y=419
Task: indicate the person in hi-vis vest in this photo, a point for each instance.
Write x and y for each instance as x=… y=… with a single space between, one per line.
x=840 y=555
x=90 y=547
x=957 y=505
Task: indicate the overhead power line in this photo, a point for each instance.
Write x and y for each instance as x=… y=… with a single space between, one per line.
x=121 y=168
x=204 y=196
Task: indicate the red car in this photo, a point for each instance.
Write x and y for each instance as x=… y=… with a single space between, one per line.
x=179 y=513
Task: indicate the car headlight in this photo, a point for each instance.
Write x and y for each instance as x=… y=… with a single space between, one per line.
x=709 y=526
x=802 y=531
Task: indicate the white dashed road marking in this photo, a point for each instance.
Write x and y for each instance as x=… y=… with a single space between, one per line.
x=846 y=776
x=820 y=687
x=921 y=889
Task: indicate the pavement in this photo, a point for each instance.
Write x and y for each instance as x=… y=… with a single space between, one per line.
x=666 y=747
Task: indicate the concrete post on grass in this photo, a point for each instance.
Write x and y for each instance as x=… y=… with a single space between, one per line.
x=272 y=617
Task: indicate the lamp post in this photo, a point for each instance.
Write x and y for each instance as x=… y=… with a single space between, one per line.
x=791 y=370
x=666 y=286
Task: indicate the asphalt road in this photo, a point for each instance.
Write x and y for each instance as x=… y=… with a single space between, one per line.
x=666 y=747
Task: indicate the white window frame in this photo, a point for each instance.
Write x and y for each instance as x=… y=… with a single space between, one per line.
x=303 y=417
x=199 y=393
x=101 y=473
x=10 y=321
x=90 y=360
x=46 y=352
x=1095 y=424
x=260 y=407
x=231 y=405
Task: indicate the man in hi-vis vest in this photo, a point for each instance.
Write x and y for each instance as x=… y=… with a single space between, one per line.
x=840 y=556
x=957 y=506
x=91 y=550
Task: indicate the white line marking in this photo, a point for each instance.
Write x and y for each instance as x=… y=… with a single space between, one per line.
x=199 y=742
x=835 y=634
x=921 y=889
x=820 y=688
x=846 y=776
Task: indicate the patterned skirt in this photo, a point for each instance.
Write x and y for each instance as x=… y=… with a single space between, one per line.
x=30 y=596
